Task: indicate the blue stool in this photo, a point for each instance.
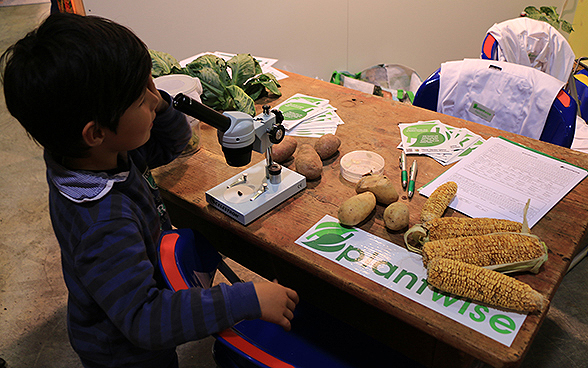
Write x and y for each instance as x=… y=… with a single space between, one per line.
x=316 y=340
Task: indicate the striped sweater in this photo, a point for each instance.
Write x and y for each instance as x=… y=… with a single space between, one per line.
x=119 y=312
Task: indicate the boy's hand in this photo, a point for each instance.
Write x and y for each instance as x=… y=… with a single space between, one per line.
x=162 y=104
x=277 y=303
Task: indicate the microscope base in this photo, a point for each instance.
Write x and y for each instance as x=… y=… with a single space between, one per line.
x=241 y=200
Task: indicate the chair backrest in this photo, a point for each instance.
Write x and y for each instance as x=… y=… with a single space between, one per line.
x=530 y=42
x=581 y=80
x=183 y=264
x=559 y=126
x=186 y=259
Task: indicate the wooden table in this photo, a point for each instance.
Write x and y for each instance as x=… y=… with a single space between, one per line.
x=267 y=246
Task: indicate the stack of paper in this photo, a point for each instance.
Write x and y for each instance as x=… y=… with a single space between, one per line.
x=307 y=116
x=444 y=143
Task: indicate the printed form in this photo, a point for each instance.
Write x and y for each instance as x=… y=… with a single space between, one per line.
x=499 y=177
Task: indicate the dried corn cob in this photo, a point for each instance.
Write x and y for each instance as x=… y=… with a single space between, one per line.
x=503 y=252
x=483 y=285
x=454 y=227
x=438 y=201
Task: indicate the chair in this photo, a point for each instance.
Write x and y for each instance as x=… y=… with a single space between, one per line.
x=559 y=125
x=316 y=340
x=545 y=39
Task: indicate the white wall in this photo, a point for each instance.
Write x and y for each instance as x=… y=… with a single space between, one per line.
x=316 y=37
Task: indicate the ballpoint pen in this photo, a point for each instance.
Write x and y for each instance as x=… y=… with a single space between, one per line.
x=413 y=172
x=403 y=174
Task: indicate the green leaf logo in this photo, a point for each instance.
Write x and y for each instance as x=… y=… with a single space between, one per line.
x=414 y=131
x=294 y=114
x=329 y=237
x=429 y=140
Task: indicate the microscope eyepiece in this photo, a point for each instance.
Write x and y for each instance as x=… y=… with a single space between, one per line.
x=201 y=112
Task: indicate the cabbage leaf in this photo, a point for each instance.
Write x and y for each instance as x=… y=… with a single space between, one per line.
x=227 y=85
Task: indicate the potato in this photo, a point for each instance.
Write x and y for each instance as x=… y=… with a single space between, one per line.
x=380 y=185
x=284 y=150
x=308 y=162
x=327 y=145
x=356 y=209
x=396 y=216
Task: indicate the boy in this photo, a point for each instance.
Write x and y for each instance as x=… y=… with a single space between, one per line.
x=82 y=88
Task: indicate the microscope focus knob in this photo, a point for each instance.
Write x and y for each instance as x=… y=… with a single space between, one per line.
x=279 y=116
x=276 y=133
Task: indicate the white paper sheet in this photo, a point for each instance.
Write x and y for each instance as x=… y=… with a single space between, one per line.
x=498 y=178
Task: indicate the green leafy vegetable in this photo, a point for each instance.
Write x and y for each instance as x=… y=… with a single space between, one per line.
x=227 y=85
x=548 y=14
x=163 y=63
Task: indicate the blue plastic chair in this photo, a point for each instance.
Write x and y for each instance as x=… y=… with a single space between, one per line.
x=581 y=82
x=560 y=124
x=316 y=340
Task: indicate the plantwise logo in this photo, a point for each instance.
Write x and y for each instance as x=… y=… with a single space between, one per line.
x=397 y=269
x=329 y=237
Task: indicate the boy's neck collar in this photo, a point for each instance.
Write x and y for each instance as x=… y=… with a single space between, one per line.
x=115 y=164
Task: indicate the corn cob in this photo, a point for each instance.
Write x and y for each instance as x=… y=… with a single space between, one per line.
x=455 y=227
x=483 y=285
x=503 y=252
x=438 y=201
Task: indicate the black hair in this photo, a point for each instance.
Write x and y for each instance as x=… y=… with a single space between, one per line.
x=70 y=71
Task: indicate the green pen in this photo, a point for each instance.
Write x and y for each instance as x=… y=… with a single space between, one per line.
x=413 y=172
x=403 y=174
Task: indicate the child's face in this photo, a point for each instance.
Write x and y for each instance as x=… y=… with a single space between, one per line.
x=134 y=127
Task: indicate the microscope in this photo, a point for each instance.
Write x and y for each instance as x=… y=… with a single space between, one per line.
x=261 y=187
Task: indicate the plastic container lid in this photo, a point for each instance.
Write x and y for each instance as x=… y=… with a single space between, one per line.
x=356 y=164
x=179 y=83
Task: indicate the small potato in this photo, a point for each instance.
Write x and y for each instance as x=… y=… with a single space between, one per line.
x=356 y=209
x=327 y=145
x=396 y=216
x=380 y=185
x=282 y=151
x=308 y=162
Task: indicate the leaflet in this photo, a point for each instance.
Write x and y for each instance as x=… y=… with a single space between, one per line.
x=499 y=177
x=444 y=143
x=426 y=137
x=299 y=108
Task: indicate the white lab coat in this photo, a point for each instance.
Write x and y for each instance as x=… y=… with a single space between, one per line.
x=504 y=95
x=534 y=43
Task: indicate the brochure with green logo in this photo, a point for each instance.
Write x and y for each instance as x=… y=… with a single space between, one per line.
x=426 y=137
x=444 y=143
x=299 y=108
x=319 y=125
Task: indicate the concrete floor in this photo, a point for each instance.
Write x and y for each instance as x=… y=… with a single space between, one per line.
x=33 y=295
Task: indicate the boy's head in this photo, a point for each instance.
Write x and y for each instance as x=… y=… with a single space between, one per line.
x=70 y=71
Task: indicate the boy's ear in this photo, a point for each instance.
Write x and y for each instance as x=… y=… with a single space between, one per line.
x=92 y=134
